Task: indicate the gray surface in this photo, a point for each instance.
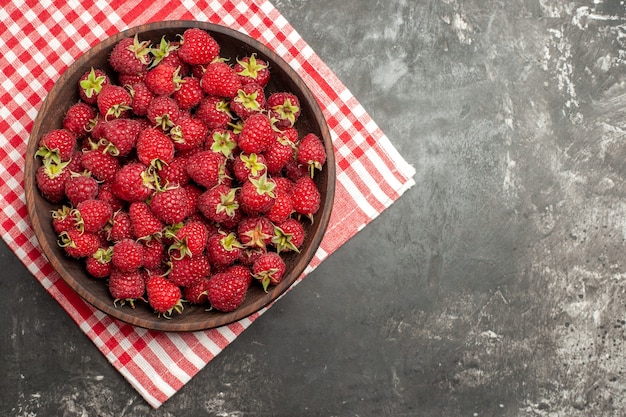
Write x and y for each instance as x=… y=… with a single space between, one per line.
x=494 y=287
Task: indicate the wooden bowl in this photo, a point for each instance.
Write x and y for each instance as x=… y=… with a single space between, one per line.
x=65 y=93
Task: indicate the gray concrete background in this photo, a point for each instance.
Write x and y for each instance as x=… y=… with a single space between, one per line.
x=494 y=287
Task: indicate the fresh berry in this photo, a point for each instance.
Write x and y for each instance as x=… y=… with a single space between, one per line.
x=222 y=141
x=106 y=194
x=190 y=240
x=144 y=224
x=189 y=93
x=269 y=269
x=119 y=136
x=126 y=287
x=198 y=47
x=226 y=291
x=242 y=271
x=154 y=148
x=78 y=119
x=288 y=236
x=174 y=173
x=141 y=97
x=257 y=195
x=188 y=270
x=114 y=102
x=102 y=166
x=57 y=145
x=50 y=179
x=311 y=152
x=78 y=244
x=98 y=265
x=154 y=254
x=214 y=112
x=284 y=108
x=279 y=153
x=91 y=83
x=306 y=197
x=196 y=293
x=282 y=207
x=127 y=255
x=163 y=80
x=251 y=69
x=250 y=99
x=223 y=249
x=188 y=133
x=132 y=182
x=170 y=205
x=130 y=56
x=206 y=168
x=255 y=232
x=219 y=204
x=248 y=166
x=163 y=112
x=80 y=186
x=119 y=227
x=164 y=296
x=219 y=79
x=92 y=214
x=256 y=134
x=62 y=219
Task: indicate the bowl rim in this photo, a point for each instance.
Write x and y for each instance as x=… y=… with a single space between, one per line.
x=173 y=325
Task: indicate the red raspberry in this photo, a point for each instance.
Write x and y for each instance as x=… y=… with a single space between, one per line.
x=206 y=168
x=170 y=205
x=141 y=97
x=57 y=145
x=189 y=270
x=126 y=287
x=269 y=269
x=251 y=69
x=154 y=148
x=114 y=102
x=90 y=84
x=250 y=99
x=306 y=197
x=79 y=244
x=284 y=108
x=257 y=195
x=223 y=249
x=92 y=214
x=226 y=291
x=188 y=133
x=130 y=56
x=189 y=93
x=198 y=47
x=132 y=182
x=214 y=112
x=311 y=152
x=163 y=80
x=50 y=179
x=102 y=166
x=219 y=79
x=164 y=296
x=144 y=224
x=78 y=119
x=289 y=236
x=80 y=187
x=255 y=232
x=163 y=112
x=219 y=204
x=256 y=134
x=127 y=255
x=98 y=265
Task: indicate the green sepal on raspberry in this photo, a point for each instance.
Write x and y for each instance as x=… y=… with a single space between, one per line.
x=161 y=51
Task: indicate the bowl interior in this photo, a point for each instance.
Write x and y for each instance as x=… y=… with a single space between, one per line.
x=64 y=93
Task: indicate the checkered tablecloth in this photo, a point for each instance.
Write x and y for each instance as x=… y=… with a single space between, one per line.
x=41 y=39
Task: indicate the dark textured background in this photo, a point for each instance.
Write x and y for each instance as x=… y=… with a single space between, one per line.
x=494 y=287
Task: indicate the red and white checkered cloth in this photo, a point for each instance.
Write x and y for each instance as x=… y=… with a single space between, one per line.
x=40 y=39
